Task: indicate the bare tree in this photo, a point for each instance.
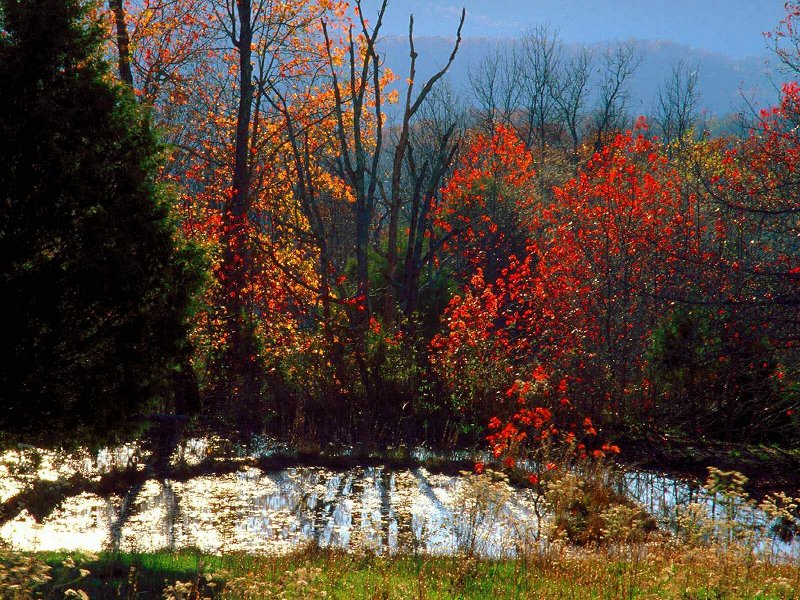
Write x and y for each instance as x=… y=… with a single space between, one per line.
x=495 y=87
x=411 y=107
x=570 y=94
x=432 y=150
x=539 y=66
x=676 y=109
x=611 y=110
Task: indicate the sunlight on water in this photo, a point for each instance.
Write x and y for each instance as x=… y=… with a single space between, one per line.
x=256 y=511
x=275 y=512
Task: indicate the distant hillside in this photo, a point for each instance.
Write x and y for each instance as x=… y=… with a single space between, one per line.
x=722 y=79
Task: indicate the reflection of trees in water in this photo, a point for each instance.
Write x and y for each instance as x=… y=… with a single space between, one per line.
x=404 y=488
x=344 y=509
x=386 y=487
x=315 y=512
x=660 y=495
x=374 y=509
x=427 y=536
x=297 y=510
x=173 y=512
x=166 y=433
x=167 y=501
x=426 y=489
x=258 y=511
x=126 y=509
x=361 y=507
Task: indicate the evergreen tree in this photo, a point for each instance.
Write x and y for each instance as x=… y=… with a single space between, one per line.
x=96 y=293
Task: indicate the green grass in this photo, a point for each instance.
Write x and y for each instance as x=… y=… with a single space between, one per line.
x=641 y=571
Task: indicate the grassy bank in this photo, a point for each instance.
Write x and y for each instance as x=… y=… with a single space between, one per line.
x=655 y=570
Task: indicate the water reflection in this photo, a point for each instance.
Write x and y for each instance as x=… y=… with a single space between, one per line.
x=660 y=495
x=260 y=511
x=257 y=511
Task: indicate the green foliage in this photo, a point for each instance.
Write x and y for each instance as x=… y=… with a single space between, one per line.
x=712 y=376
x=685 y=337
x=683 y=352
x=96 y=292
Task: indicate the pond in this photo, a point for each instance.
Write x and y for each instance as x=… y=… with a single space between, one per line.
x=359 y=507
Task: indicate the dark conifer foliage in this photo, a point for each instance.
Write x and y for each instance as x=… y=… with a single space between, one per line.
x=96 y=293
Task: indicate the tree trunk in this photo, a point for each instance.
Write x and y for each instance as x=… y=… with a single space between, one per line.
x=123 y=42
x=239 y=377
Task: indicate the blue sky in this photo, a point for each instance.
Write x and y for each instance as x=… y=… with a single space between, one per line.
x=732 y=27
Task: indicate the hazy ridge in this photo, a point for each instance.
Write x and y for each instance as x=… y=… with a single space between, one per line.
x=724 y=82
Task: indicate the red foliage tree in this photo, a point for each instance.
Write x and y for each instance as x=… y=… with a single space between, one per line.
x=567 y=322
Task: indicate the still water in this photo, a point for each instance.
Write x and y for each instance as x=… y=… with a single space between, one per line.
x=269 y=512
x=277 y=511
